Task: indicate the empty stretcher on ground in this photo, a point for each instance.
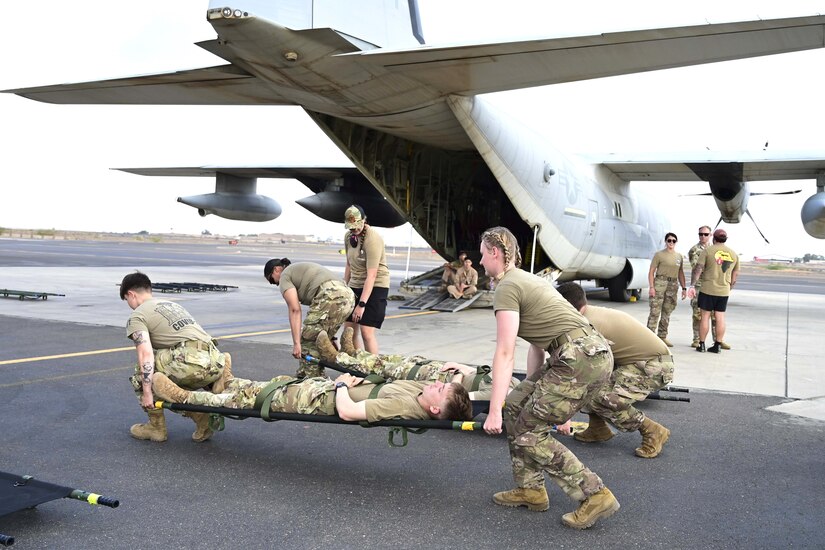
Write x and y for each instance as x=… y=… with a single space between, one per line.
x=191 y=287
x=24 y=294
x=21 y=492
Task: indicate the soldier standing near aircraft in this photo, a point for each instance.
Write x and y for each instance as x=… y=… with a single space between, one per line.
x=717 y=268
x=169 y=341
x=579 y=364
x=642 y=364
x=665 y=277
x=693 y=257
x=368 y=275
x=329 y=299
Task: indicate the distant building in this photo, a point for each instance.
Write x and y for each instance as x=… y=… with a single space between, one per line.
x=773 y=260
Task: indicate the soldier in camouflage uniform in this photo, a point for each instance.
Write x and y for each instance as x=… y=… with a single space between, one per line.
x=169 y=341
x=693 y=257
x=579 y=364
x=362 y=400
x=642 y=364
x=329 y=299
x=664 y=278
x=476 y=380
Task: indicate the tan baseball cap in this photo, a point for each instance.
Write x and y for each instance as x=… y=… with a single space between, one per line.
x=354 y=217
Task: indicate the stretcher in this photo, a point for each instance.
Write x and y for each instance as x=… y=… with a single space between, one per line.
x=21 y=492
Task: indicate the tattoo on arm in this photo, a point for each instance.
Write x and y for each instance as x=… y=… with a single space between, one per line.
x=140 y=337
x=146 y=369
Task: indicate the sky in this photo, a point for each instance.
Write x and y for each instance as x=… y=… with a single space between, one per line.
x=57 y=159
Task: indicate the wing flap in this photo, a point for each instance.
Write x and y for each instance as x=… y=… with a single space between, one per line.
x=220 y=85
x=484 y=68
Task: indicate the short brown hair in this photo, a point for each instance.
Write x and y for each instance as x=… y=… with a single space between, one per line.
x=135 y=281
x=573 y=293
x=458 y=406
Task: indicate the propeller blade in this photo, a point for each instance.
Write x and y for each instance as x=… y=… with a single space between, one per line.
x=756 y=226
x=778 y=193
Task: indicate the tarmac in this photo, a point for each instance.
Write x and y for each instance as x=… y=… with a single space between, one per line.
x=743 y=468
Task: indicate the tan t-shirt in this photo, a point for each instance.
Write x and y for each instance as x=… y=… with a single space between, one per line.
x=667 y=264
x=167 y=323
x=631 y=340
x=719 y=263
x=369 y=254
x=543 y=313
x=397 y=399
x=305 y=278
x=468 y=276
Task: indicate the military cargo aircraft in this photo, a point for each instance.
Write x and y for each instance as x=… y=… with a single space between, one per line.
x=426 y=148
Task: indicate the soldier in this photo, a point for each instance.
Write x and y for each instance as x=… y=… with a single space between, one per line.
x=579 y=364
x=475 y=380
x=717 y=268
x=169 y=341
x=368 y=275
x=665 y=277
x=642 y=364
x=693 y=257
x=361 y=400
x=465 y=281
x=329 y=299
x=450 y=268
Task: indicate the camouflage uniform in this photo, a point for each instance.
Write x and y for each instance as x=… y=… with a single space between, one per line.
x=628 y=384
x=415 y=367
x=570 y=378
x=308 y=396
x=191 y=365
x=693 y=256
x=662 y=304
x=329 y=309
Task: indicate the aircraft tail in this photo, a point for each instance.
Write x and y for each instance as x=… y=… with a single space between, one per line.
x=367 y=23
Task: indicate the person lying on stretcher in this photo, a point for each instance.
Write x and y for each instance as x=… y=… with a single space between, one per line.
x=350 y=397
x=476 y=380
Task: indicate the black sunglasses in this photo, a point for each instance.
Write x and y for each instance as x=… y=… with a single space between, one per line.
x=670 y=240
x=270 y=279
x=704 y=234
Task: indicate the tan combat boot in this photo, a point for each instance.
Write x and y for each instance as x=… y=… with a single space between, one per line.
x=219 y=385
x=346 y=341
x=167 y=390
x=154 y=430
x=534 y=499
x=325 y=347
x=202 y=429
x=595 y=507
x=597 y=430
x=654 y=437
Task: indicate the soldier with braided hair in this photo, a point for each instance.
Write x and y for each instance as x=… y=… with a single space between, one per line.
x=556 y=387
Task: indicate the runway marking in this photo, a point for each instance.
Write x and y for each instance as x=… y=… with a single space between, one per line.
x=226 y=337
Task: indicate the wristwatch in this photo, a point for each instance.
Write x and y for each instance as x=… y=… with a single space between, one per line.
x=340 y=385
x=362 y=303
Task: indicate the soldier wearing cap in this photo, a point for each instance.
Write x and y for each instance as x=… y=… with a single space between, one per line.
x=368 y=275
x=717 y=268
x=329 y=299
x=693 y=258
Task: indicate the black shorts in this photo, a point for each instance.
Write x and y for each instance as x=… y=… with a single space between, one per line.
x=376 y=306
x=708 y=302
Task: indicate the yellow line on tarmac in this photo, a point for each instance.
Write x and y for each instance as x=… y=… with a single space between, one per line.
x=117 y=350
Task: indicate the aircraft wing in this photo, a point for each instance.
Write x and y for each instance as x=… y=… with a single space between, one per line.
x=314 y=177
x=434 y=72
x=747 y=166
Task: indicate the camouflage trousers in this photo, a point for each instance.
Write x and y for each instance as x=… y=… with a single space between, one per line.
x=629 y=384
x=570 y=379
x=329 y=309
x=307 y=396
x=415 y=367
x=661 y=305
x=697 y=314
x=186 y=365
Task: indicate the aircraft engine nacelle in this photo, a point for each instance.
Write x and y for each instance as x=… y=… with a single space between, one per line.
x=813 y=215
x=235 y=206
x=331 y=205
